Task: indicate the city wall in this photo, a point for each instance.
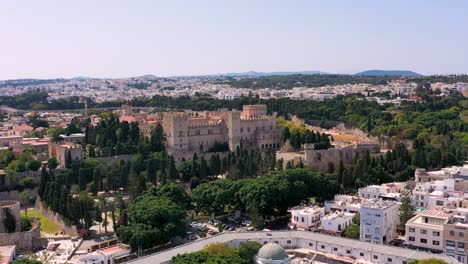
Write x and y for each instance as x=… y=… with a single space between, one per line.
x=55 y=218
x=319 y=159
x=14 y=207
x=14 y=195
x=114 y=159
x=24 y=241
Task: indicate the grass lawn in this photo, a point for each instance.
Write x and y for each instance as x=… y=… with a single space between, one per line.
x=46 y=225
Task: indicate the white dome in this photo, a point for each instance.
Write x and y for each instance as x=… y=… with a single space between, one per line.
x=272 y=251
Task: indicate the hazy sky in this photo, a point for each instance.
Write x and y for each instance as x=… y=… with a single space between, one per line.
x=112 y=38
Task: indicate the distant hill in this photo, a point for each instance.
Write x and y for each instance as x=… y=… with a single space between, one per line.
x=387 y=73
x=259 y=74
x=149 y=76
x=81 y=78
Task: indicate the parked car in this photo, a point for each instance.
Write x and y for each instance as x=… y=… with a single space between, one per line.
x=190 y=236
x=246 y=222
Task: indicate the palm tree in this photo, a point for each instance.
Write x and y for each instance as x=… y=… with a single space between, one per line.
x=121 y=204
x=103 y=209
x=112 y=207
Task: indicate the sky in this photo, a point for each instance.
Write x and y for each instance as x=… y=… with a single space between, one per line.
x=113 y=38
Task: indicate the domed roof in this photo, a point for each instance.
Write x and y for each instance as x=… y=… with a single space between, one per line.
x=272 y=251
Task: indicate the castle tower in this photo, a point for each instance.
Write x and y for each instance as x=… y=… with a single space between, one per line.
x=253 y=111
x=176 y=128
x=234 y=134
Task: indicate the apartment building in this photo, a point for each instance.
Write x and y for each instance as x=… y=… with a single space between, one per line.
x=426 y=229
x=379 y=220
x=437 y=193
x=454 y=172
x=455 y=235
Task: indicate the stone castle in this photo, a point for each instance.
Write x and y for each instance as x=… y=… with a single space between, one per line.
x=198 y=132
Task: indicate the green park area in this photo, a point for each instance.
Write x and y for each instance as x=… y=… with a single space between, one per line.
x=47 y=226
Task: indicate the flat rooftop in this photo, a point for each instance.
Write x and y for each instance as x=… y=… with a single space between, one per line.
x=165 y=256
x=6 y=252
x=436 y=213
x=115 y=250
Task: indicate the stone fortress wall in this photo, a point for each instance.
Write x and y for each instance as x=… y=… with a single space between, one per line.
x=55 y=218
x=24 y=241
x=14 y=207
x=319 y=159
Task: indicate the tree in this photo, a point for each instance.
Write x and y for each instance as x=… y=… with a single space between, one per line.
x=68 y=161
x=97 y=179
x=151 y=170
x=43 y=182
x=286 y=134
x=9 y=222
x=25 y=198
x=173 y=192
x=152 y=221
x=172 y=171
x=158 y=138
x=25 y=224
x=407 y=207
x=203 y=168
x=247 y=250
x=218 y=249
x=103 y=207
x=52 y=163
x=340 y=173
x=194 y=182
x=352 y=231
x=25 y=261
x=91 y=152
x=428 y=261
x=296 y=140
x=34 y=165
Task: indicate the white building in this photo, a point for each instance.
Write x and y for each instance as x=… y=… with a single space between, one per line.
x=344 y=203
x=337 y=222
x=386 y=191
x=305 y=217
x=308 y=243
x=378 y=221
x=437 y=193
x=425 y=230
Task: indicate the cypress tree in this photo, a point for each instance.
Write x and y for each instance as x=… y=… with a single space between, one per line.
x=203 y=169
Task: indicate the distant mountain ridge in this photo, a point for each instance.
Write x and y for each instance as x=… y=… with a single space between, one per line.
x=258 y=74
x=387 y=73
